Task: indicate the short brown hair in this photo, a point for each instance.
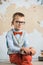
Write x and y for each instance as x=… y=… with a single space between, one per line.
x=15 y=14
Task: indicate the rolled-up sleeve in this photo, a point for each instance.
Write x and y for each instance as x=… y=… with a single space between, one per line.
x=10 y=43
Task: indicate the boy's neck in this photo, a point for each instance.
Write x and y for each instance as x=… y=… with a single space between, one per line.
x=16 y=29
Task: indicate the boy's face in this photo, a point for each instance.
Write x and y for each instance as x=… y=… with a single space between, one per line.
x=19 y=22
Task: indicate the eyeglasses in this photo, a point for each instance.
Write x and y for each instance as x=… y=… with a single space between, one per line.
x=21 y=22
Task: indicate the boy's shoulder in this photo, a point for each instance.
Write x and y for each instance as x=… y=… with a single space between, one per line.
x=25 y=33
x=9 y=32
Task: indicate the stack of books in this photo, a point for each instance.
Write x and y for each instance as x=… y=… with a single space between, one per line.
x=40 y=58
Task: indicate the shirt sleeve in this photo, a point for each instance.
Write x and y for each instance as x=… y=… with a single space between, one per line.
x=27 y=42
x=10 y=43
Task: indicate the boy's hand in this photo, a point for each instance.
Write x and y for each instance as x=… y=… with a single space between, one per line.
x=26 y=50
x=32 y=50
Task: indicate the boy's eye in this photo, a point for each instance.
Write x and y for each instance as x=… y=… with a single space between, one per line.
x=20 y=22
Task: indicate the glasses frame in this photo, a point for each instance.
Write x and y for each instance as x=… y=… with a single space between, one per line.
x=20 y=22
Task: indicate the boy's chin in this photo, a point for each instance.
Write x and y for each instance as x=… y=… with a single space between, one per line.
x=19 y=28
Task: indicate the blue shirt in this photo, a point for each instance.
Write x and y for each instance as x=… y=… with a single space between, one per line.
x=14 y=45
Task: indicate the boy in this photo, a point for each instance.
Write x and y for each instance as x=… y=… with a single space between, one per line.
x=17 y=42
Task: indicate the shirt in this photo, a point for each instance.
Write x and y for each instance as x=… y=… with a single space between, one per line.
x=14 y=45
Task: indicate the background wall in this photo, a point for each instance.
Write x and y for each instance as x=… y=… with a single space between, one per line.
x=33 y=10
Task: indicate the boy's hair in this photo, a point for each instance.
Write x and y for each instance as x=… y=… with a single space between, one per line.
x=15 y=14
